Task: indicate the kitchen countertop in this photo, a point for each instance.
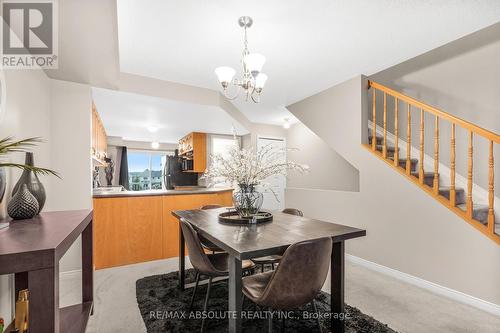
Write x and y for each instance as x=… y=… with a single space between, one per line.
x=146 y=193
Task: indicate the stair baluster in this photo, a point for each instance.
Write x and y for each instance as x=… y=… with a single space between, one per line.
x=384 y=148
x=436 y=156
x=421 y=162
x=408 y=141
x=491 y=193
x=396 y=133
x=455 y=198
x=452 y=167
x=469 y=204
x=374 y=131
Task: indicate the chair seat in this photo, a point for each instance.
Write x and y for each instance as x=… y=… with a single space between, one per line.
x=219 y=260
x=267 y=260
x=209 y=245
x=254 y=285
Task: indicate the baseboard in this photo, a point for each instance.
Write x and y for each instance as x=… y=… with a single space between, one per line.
x=427 y=285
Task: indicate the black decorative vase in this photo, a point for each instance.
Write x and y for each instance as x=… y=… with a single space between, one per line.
x=3 y=198
x=3 y=183
x=32 y=183
x=23 y=205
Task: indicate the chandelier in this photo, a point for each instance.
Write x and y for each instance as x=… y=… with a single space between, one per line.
x=252 y=81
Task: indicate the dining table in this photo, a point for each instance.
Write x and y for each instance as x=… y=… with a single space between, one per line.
x=255 y=240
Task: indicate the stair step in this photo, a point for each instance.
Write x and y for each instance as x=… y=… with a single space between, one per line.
x=380 y=139
x=390 y=150
x=428 y=177
x=479 y=212
x=459 y=194
x=402 y=163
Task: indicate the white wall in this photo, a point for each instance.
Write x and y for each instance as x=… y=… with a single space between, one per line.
x=256 y=130
x=27 y=114
x=328 y=170
x=70 y=155
x=460 y=78
x=59 y=112
x=407 y=230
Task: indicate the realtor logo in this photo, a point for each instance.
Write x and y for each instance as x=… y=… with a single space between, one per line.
x=29 y=34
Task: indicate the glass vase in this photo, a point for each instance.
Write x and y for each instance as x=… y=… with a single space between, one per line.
x=247 y=201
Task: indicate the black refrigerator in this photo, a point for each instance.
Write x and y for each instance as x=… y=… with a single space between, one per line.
x=174 y=176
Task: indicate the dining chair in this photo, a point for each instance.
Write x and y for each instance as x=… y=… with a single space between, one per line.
x=211 y=265
x=205 y=242
x=275 y=258
x=293 y=211
x=296 y=281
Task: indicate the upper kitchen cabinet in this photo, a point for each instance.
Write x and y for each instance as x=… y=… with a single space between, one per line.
x=99 y=138
x=193 y=150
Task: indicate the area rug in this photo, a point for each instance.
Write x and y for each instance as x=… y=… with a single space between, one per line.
x=164 y=308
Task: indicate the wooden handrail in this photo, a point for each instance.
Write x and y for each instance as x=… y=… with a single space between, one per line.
x=431 y=185
x=441 y=114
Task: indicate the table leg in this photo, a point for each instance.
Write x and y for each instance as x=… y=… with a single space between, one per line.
x=182 y=258
x=88 y=265
x=235 y=295
x=44 y=300
x=337 y=287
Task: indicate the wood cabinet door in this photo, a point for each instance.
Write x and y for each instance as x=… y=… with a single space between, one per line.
x=184 y=202
x=127 y=230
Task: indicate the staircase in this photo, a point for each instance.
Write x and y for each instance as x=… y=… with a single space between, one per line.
x=460 y=200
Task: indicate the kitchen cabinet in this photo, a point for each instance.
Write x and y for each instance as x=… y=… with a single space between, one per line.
x=99 y=137
x=193 y=149
x=184 y=202
x=133 y=229
x=128 y=230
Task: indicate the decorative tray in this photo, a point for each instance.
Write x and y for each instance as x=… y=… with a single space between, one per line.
x=232 y=217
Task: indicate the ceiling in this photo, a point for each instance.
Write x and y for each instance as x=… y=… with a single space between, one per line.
x=309 y=46
x=130 y=116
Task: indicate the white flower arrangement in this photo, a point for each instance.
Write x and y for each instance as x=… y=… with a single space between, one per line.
x=246 y=168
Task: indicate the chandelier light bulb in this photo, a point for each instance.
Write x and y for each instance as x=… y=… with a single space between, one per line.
x=254 y=63
x=155 y=145
x=225 y=74
x=260 y=81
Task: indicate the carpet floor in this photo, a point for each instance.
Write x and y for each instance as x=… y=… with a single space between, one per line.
x=164 y=308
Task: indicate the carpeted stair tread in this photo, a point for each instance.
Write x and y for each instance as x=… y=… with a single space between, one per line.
x=390 y=150
x=428 y=177
x=479 y=212
x=459 y=194
x=402 y=163
x=380 y=139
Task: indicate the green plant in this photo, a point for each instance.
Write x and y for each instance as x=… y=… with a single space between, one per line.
x=8 y=145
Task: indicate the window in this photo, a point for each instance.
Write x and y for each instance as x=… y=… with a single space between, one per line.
x=145 y=170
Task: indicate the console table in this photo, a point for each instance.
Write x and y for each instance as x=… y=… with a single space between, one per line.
x=31 y=250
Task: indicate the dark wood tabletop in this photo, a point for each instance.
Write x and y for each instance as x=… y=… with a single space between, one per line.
x=245 y=242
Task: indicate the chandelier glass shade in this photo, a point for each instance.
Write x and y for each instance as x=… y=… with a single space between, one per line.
x=253 y=80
